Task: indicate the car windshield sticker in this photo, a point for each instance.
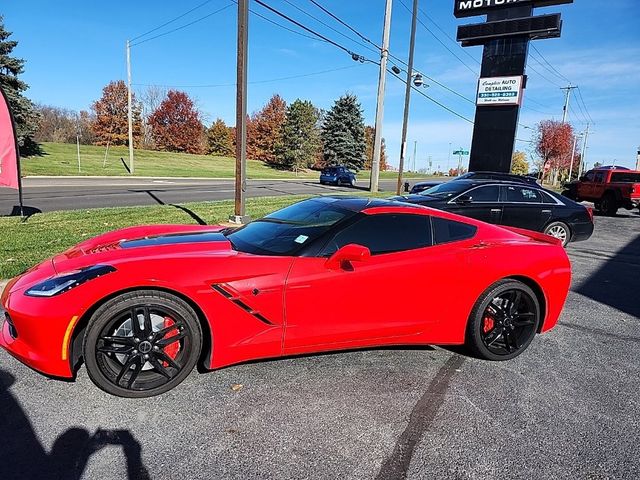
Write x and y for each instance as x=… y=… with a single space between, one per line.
x=529 y=194
x=301 y=239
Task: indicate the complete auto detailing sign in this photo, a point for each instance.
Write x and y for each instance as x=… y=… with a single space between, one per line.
x=469 y=8
x=497 y=91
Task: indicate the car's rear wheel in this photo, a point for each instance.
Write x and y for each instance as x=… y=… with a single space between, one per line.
x=142 y=344
x=560 y=231
x=609 y=205
x=504 y=321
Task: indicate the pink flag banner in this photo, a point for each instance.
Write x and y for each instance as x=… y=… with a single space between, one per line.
x=8 y=152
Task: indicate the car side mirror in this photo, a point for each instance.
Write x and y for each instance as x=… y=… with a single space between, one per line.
x=464 y=199
x=347 y=254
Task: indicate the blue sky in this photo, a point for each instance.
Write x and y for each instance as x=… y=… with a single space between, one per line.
x=73 y=48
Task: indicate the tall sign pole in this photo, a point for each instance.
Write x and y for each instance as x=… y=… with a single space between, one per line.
x=506 y=34
x=377 y=139
x=407 y=95
x=241 y=114
x=129 y=107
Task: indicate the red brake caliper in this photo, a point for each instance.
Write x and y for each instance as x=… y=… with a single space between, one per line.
x=488 y=324
x=173 y=348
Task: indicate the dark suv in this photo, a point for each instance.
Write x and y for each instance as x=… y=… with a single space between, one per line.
x=338 y=176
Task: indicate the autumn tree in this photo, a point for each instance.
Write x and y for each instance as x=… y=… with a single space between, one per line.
x=554 y=144
x=369 y=133
x=111 y=116
x=300 y=144
x=176 y=125
x=24 y=112
x=343 y=134
x=519 y=164
x=55 y=125
x=264 y=131
x=219 y=140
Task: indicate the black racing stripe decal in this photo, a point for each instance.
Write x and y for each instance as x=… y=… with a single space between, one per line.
x=241 y=304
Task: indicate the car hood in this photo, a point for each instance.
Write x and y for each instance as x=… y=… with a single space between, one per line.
x=140 y=242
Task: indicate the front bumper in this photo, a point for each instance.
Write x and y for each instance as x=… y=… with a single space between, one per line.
x=34 y=335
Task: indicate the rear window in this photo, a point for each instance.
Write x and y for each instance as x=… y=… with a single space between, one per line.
x=630 y=177
x=330 y=171
x=445 y=231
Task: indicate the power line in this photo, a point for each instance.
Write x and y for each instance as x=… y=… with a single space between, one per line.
x=183 y=26
x=344 y=24
x=354 y=55
x=327 y=25
x=553 y=69
x=253 y=82
x=171 y=21
x=552 y=82
x=440 y=41
x=584 y=117
x=585 y=105
x=273 y=22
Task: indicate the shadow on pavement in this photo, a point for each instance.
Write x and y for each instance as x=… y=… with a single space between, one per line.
x=191 y=213
x=23 y=457
x=616 y=283
x=26 y=211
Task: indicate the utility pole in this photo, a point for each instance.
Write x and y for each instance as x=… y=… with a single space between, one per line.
x=129 y=112
x=407 y=94
x=382 y=80
x=573 y=154
x=638 y=160
x=566 y=102
x=584 y=151
x=241 y=114
x=415 y=154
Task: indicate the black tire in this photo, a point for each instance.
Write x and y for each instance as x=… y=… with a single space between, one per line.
x=559 y=230
x=609 y=204
x=352 y=183
x=144 y=362
x=514 y=330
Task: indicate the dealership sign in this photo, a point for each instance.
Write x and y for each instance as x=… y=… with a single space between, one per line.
x=469 y=8
x=496 y=91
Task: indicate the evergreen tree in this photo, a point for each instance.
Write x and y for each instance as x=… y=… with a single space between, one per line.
x=23 y=110
x=343 y=134
x=219 y=139
x=301 y=142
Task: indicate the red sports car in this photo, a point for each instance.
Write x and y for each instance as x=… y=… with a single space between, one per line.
x=141 y=306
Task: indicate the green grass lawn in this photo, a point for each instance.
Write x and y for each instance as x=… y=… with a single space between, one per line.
x=23 y=244
x=62 y=159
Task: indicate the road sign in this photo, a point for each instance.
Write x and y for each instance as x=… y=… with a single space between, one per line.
x=461 y=152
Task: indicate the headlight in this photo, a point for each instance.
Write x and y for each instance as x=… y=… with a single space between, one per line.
x=68 y=280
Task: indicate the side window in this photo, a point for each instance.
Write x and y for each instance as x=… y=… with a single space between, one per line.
x=488 y=194
x=384 y=234
x=445 y=231
x=546 y=198
x=521 y=195
x=599 y=177
x=589 y=176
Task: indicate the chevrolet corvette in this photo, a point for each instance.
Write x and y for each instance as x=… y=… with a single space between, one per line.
x=141 y=306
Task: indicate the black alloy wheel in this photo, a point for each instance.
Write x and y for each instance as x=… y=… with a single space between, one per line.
x=504 y=321
x=142 y=344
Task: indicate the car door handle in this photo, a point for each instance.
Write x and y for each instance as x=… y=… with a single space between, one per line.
x=546 y=211
x=496 y=210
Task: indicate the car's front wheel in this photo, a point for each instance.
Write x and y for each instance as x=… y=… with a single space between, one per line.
x=142 y=344
x=504 y=321
x=560 y=231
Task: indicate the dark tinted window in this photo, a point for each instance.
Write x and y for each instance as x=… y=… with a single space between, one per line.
x=286 y=231
x=521 y=195
x=589 y=177
x=625 y=177
x=384 y=234
x=446 y=190
x=486 y=194
x=546 y=198
x=446 y=231
x=599 y=177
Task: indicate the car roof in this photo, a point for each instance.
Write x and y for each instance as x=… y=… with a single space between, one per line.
x=358 y=204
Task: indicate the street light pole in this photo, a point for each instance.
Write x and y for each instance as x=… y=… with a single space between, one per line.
x=377 y=139
x=241 y=114
x=407 y=94
x=129 y=107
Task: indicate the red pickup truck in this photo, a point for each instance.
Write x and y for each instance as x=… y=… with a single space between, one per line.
x=608 y=188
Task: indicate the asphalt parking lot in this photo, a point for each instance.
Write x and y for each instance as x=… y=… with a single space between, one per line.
x=569 y=407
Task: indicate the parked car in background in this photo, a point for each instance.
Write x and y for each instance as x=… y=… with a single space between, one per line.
x=512 y=204
x=337 y=175
x=422 y=186
x=609 y=188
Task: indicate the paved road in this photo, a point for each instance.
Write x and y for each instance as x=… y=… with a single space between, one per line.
x=567 y=409
x=69 y=193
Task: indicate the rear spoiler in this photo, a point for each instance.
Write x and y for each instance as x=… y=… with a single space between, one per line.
x=540 y=237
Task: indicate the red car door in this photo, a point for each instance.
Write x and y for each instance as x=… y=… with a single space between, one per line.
x=378 y=300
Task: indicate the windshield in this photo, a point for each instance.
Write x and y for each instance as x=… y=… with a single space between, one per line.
x=288 y=230
x=445 y=190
